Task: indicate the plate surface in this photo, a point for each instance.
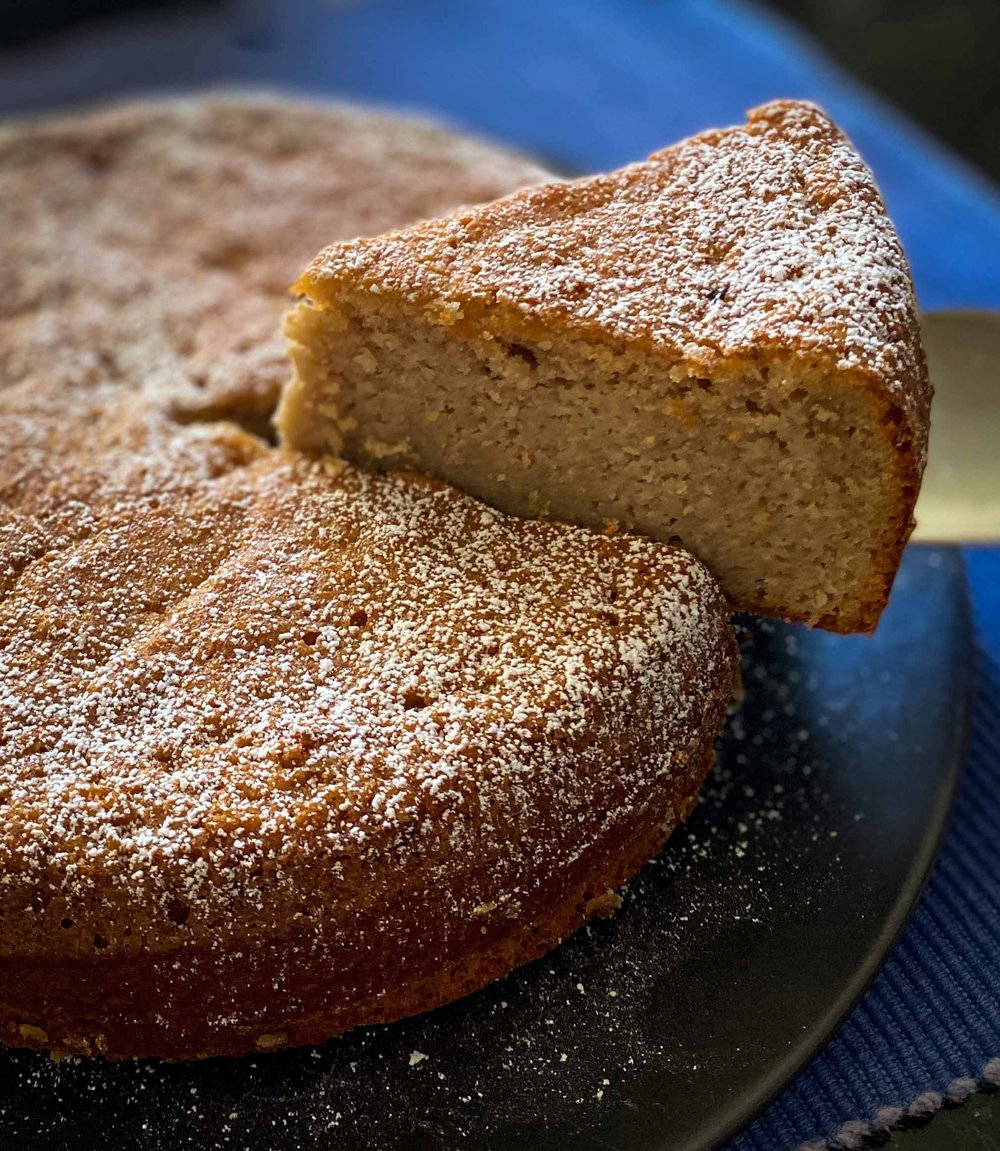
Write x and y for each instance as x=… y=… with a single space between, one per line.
x=736 y=954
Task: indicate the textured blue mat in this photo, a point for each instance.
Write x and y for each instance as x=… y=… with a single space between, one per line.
x=589 y=85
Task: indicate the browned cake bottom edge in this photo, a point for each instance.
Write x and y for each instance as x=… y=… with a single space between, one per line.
x=43 y=1013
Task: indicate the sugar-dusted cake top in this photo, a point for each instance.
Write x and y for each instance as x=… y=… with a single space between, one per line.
x=227 y=664
x=231 y=677
x=764 y=240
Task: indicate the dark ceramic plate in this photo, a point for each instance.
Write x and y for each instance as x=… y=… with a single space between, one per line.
x=736 y=954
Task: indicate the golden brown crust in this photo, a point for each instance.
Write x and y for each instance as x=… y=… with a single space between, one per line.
x=83 y=1019
x=287 y=747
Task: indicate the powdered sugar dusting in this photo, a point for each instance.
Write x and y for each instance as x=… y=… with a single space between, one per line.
x=299 y=657
x=768 y=239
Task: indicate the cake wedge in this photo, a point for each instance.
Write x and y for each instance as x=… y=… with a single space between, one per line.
x=717 y=347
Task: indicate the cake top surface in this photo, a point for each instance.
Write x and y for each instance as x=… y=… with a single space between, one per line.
x=759 y=241
x=226 y=659
x=221 y=663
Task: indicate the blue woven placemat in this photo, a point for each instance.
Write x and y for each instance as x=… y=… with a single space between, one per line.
x=590 y=85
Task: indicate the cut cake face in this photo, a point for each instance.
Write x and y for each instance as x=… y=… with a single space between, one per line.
x=717 y=347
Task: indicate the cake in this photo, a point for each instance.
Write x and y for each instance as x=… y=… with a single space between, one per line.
x=288 y=745
x=716 y=347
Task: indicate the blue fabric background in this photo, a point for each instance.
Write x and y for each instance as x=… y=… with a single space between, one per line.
x=590 y=85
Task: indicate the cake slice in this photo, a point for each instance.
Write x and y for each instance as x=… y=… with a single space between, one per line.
x=717 y=347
